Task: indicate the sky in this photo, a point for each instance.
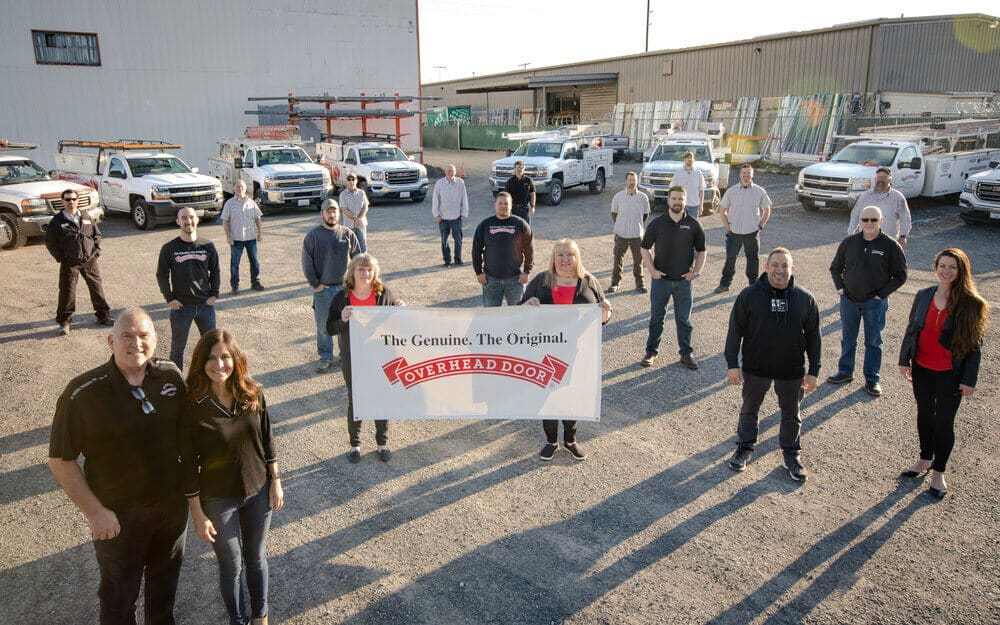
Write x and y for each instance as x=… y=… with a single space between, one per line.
x=463 y=38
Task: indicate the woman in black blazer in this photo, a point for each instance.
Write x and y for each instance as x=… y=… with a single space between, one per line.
x=940 y=355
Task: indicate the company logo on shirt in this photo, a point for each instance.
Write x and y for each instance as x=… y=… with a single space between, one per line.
x=779 y=305
x=538 y=373
x=502 y=229
x=168 y=390
x=878 y=252
x=186 y=256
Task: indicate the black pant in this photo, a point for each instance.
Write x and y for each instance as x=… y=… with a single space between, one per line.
x=789 y=394
x=618 y=259
x=751 y=248
x=151 y=541
x=524 y=212
x=938 y=398
x=551 y=427
x=354 y=427
x=68 y=276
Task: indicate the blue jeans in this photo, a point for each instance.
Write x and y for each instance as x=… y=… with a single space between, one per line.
x=694 y=211
x=240 y=546
x=496 y=290
x=362 y=233
x=202 y=315
x=872 y=311
x=236 y=255
x=659 y=295
x=321 y=310
x=454 y=228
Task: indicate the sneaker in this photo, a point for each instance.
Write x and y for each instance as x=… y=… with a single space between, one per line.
x=323 y=366
x=721 y=289
x=689 y=362
x=612 y=289
x=575 y=451
x=257 y=286
x=64 y=328
x=873 y=388
x=108 y=321
x=795 y=469
x=384 y=454
x=446 y=264
x=354 y=456
x=740 y=459
x=235 y=290
x=547 y=452
x=641 y=288
x=840 y=378
x=648 y=360
x=459 y=263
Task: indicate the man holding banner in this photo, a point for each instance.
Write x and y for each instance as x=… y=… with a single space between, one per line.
x=500 y=248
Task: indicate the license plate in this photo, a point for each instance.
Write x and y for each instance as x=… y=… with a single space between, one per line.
x=404 y=194
x=995 y=215
x=303 y=202
x=819 y=203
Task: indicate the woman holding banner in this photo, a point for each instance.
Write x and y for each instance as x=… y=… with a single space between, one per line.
x=565 y=282
x=362 y=287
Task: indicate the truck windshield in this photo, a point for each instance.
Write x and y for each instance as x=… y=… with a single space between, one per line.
x=677 y=152
x=381 y=155
x=286 y=156
x=551 y=150
x=872 y=155
x=16 y=172
x=157 y=165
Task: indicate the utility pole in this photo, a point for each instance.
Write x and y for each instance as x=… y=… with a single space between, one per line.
x=647 y=25
x=523 y=66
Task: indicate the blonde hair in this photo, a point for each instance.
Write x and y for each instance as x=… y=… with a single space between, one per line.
x=561 y=245
x=369 y=261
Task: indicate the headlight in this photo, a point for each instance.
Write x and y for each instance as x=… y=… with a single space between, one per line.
x=377 y=175
x=970 y=186
x=802 y=175
x=269 y=183
x=860 y=184
x=34 y=205
x=161 y=193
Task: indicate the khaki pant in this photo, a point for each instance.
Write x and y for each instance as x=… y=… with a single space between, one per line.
x=619 y=260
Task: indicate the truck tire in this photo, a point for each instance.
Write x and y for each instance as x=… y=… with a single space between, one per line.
x=809 y=206
x=143 y=217
x=18 y=237
x=363 y=185
x=555 y=194
x=597 y=186
x=416 y=199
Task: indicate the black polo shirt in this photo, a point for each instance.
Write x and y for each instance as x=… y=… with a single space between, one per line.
x=520 y=190
x=674 y=244
x=130 y=458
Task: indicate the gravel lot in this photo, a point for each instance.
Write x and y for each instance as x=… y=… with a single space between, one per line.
x=466 y=526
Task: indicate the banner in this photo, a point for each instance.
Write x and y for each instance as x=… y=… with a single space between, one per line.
x=516 y=362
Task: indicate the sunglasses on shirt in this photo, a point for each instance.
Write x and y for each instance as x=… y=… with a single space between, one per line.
x=147 y=407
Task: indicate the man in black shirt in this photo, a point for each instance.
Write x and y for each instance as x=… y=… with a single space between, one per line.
x=123 y=417
x=868 y=267
x=74 y=240
x=678 y=256
x=188 y=275
x=776 y=323
x=501 y=246
x=522 y=193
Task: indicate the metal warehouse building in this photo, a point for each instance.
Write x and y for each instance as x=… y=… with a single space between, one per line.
x=923 y=55
x=182 y=71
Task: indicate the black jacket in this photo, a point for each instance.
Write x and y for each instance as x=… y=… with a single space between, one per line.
x=777 y=330
x=70 y=243
x=865 y=269
x=335 y=325
x=588 y=290
x=967 y=368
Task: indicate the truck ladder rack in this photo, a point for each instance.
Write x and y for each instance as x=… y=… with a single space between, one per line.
x=119 y=144
x=381 y=136
x=13 y=145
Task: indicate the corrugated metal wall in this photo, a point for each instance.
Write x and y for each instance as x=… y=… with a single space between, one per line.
x=598 y=101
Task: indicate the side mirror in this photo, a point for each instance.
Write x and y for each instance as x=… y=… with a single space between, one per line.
x=194 y=170
x=237 y=163
x=716 y=161
x=509 y=151
x=916 y=163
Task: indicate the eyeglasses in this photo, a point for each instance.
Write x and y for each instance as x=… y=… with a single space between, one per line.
x=351 y=178
x=870 y=220
x=71 y=199
x=138 y=393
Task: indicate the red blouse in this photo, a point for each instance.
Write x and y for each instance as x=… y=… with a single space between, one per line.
x=930 y=353
x=368 y=301
x=563 y=294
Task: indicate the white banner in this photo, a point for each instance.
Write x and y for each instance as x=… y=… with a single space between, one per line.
x=517 y=362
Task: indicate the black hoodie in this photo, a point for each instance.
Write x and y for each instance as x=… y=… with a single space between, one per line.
x=777 y=329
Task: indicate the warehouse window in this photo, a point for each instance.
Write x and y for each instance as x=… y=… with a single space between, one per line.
x=61 y=48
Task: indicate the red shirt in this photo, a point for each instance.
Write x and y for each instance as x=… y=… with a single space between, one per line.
x=930 y=353
x=368 y=301
x=563 y=294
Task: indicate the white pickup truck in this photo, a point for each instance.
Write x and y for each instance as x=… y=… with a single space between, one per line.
x=278 y=175
x=29 y=197
x=980 y=198
x=382 y=169
x=139 y=178
x=668 y=158
x=554 y=164
x=929 y=160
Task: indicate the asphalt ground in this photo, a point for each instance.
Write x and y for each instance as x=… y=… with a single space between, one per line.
x=466 y=526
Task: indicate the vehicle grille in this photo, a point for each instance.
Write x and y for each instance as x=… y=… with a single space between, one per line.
x=503 y=172
x=402 y=177
x=825 y=183
x=189 y=190
x=56 y=204
x=988 y=191
x=301 y=195
x=193 y=199
x=658 y=179
x=291 y=182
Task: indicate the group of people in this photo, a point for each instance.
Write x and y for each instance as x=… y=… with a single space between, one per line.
x=158 y=446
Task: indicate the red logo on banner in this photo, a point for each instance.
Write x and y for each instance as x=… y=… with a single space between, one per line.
x=539 y=374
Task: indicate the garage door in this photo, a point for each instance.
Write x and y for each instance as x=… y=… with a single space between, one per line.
x=597 y=101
